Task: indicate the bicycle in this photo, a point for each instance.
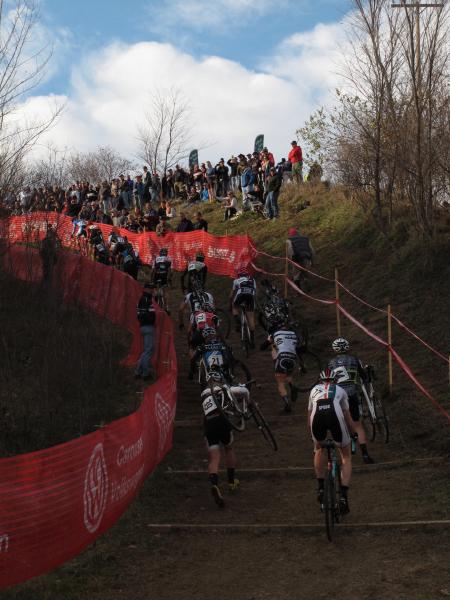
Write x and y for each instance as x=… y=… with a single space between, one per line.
x=160 y=296
x=245 y=331
x=373 y=411
x=237 y=411
x=332 y=489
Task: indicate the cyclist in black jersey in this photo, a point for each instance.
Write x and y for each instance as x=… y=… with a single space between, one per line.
x=196 y=272
x=162 y=275
x=350 y=374
x=216 y=354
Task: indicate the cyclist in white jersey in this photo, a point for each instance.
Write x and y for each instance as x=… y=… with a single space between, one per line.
x=329 y=416
x=285 y=347
x=218 y=432
x=243 y=293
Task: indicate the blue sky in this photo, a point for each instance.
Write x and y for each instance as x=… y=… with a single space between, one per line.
x=246 y=36
x=244 y=66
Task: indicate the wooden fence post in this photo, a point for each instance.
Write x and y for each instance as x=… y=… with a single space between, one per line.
x=389 y=324
x=338 y=314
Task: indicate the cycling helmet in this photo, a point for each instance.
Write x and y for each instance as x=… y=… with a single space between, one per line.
x=340 y=345
x=327 y=375
x=207 y=307
x=163 y=252
x=200 y=257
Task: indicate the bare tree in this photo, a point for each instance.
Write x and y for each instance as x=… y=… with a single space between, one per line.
x=390 y=129
x=21 y=70
x=164 y=137
x=104 y=163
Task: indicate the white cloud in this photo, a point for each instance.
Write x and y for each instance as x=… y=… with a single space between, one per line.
x=198 y=15
x=231 y=104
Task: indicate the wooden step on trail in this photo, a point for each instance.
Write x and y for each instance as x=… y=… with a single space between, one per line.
x=359 y=468
x=293 y=527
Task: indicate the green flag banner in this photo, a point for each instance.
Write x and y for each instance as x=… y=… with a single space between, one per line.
x=193 y=158
x=259 y=143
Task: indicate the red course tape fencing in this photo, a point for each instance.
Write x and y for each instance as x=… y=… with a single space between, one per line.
x=55 y=502
x=336 y=302
x=223 y=255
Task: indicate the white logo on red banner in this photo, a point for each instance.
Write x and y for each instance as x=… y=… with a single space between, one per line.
x=95 y=489
x=164 y=416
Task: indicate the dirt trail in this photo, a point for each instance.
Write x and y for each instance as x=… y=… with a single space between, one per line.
x=267 y=555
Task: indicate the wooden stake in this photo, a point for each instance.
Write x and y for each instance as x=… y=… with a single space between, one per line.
x=338 y=314
x=286 y=272
x=390 y=377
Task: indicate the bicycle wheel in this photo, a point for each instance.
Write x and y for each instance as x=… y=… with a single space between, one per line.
x=382 y=422
x=368 y=420
x=228 y=409
x=262 y=425
x=245 y=335
x=241 y=373
x=224 y=327
x=329 y=505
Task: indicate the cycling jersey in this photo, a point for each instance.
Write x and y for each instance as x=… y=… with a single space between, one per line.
x=350 y=370
x=215 y=355
x=204 y=320
x=244 y=292
x=327 y=401
x=285 y=342
x=161 y=267
x=196 y=302
x=195 y=270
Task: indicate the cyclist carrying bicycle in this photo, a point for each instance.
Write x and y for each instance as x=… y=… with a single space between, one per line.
x=218 y=432
x=351 y=373
x=329 y=415
x=195 y=302
x=162 y=275
x=243 y=293
x=285 y=348
x=195 y=272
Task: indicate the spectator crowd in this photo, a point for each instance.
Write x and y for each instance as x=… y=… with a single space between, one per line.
x=149 y=201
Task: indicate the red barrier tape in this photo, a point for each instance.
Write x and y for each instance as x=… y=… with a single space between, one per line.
x=258 y=270
x=341 y=285
x=223 y=255
x=300 y=291
x=55 y=502
x=397 y=320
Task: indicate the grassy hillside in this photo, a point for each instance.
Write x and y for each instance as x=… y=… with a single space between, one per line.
x=398 y=269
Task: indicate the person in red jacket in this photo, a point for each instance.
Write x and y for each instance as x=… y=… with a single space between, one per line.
x=296 y=159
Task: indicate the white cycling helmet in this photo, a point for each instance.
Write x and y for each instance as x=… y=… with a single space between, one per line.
x=340 y=345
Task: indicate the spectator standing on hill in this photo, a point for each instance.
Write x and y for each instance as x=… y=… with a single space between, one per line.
x=211 y=180
x=273 y=185
x=185 y=225
x=296 y=159
x=234 y=181
x=147 y=319
x=231 y=205
x=247 y=182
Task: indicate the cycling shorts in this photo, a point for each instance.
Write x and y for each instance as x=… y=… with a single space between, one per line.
x=247 y=300
x=161 y=279
x=285 y=363
x=324 y=421
x=354 y=402
x=218 y=431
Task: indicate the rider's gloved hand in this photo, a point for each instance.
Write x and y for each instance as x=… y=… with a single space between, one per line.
x=180 y=326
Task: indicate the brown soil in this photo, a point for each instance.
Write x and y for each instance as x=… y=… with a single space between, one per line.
x=278 y=560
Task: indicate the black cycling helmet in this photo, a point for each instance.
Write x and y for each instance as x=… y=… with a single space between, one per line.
x=200 y=257
x=163 y=252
